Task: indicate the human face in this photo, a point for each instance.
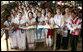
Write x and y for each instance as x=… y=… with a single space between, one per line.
x=19 y=7
x=16 y=8
x=58 y=11
x=25 y=8
x=39 y=14
x=67 y=10
x=9 y=18
x=30 y=15
x=14 y=12
x=20 y=15
x=36 y=11
x=49 y=14
x=43 y=11
x=73 y=15
x=40 y=9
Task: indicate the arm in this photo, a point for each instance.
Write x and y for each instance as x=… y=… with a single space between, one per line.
x=69 y=27
x=47 y=24
x=53 y=22
x=62 y=22
x=4 y=26
x=15 y=25
x=33 y=24
x=24 y=24
x=79 y=26
x=27 y=24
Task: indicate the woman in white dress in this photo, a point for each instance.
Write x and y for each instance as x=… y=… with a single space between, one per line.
x=66 y=30
x=31 y=32
x=49 y=36
x=8 y=23
x=20 y=33
x=39 y=20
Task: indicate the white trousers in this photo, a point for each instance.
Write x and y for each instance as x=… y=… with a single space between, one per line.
x=13 y=41
x=30 y=38
x=49 y=41
x=21 y=39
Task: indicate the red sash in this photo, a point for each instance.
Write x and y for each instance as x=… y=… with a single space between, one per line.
x=22 y=31
x=50 y=32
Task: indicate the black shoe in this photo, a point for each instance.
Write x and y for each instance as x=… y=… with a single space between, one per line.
x=57 y=48
x=64 y=48
x=16 y=47
x=12 y=48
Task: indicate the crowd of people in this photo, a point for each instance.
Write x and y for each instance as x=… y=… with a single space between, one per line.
x=66 y=18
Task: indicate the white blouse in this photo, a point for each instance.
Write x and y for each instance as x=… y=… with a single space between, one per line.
x=59 y=20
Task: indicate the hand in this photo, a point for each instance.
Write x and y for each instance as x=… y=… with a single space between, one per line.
x=22 y=25
x=16 y=25
x=10 y=27
x=52 y=27
x=27 y=24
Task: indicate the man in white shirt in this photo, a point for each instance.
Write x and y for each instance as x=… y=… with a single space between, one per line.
x=59 y=20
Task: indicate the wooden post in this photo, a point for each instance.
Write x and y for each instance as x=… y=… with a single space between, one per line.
x=6 y=39
x=55 y=33
x=45 y=44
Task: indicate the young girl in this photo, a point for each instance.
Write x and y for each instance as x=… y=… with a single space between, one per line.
x=43 y=13
x=48 y=22
x=31 y=32
x=20 y=33
x=39 y=20
x=12 y=36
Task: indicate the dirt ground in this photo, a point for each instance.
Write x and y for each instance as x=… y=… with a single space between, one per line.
x=40 y=47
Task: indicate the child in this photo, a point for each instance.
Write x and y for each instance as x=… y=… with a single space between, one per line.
x=48 y=22
x=39 y=20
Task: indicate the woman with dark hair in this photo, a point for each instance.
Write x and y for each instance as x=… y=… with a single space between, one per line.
x=8 y=24
x=31 y=32
x=43 y=13
x=20 y=33
x=39 y=20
